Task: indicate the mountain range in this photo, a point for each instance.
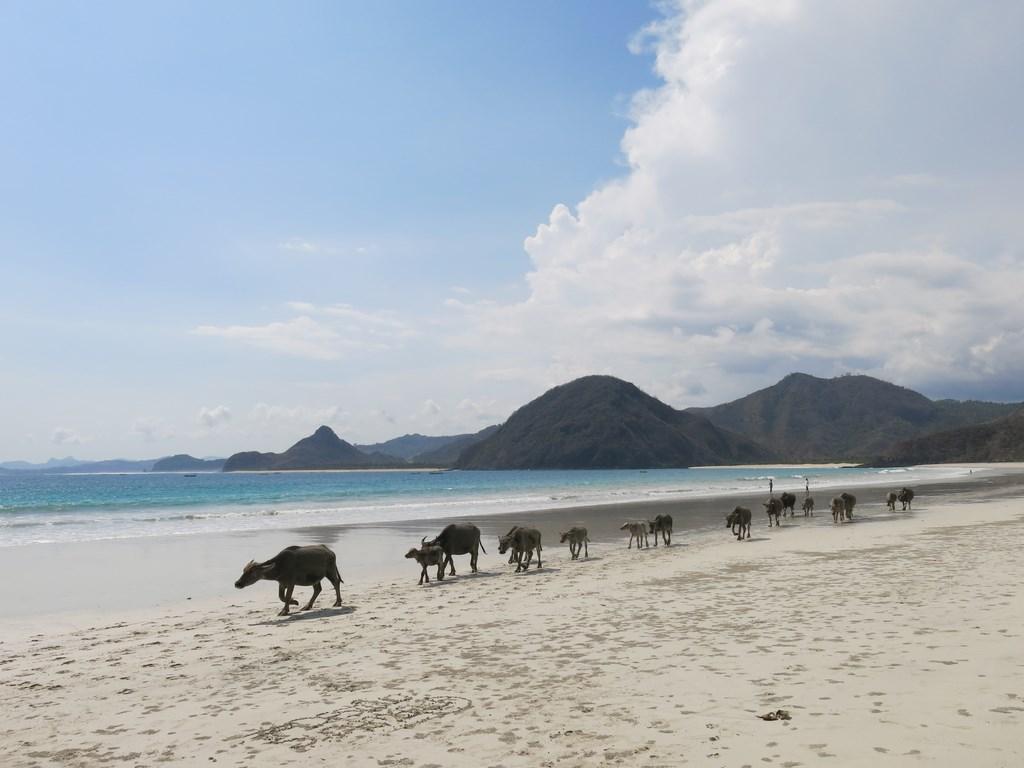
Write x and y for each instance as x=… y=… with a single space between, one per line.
x=999 y=440
x=605 y=422
x=600 y=422
x=807 y=419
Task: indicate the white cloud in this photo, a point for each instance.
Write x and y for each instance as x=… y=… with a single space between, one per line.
x=151 y=430
x=214 y=417
x=299 y=415
x=747 y=239
x=320 y=332
x=65 y=436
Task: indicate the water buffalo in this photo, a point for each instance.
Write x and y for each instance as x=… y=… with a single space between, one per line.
x=459 y=539
x=637 y=531
x=577 y=538
x=838 y=509
x=905 y=496
x=522 y=540
x=808 y=507
x=774 y=508
x=890 y=500
x=427 y=555
x=512 y=550
x=849 y=501
x=295 y=566
x=739 y=518
x=661 y=524
x=788 y=503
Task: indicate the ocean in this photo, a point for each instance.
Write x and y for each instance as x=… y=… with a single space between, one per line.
x=38 y=508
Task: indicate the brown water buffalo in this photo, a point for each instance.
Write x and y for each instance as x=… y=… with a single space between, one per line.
x=774 y=508
x=849 y=502
x=577 y=538
x=788 y=503
x=427 y=555
x=295 y=567
x=459 y=539
x=523 y=541
x=838 y=509
x=890 y=500
x=637 y=531
x=739 y=518
x=661 y=524
x=905 y=497
x=808 y=507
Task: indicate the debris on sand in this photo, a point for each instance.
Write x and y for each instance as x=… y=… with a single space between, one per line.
x=778 y=714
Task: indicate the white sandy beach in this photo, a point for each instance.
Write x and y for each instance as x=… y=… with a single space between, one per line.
x=893 y=640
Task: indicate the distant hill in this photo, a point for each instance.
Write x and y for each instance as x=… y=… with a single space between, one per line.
x=108 y=465
x=448 y=454
x=67 y=461
x=601 y=422
x=850 y=418
x=182 y=462
x=321 y=450
x=406 y=446
x=999 y=440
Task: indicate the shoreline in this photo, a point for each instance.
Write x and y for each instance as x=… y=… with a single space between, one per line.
x=196 y=567
x=892 y=640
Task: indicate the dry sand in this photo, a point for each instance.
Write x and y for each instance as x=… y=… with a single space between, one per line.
x=893 y=640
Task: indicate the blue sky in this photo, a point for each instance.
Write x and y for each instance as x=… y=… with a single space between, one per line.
x=173 y=164
x=221 y=225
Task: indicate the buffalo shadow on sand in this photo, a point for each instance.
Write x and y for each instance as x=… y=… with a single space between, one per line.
x=448 y=579
x=316 y=613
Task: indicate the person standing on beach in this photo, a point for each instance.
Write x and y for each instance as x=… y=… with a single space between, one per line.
x=771 y=486
x=807 y=486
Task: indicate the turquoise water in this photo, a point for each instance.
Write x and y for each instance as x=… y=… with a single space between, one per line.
x=40 y=508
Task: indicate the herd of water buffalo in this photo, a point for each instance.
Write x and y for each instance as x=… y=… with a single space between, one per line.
x=307 y=566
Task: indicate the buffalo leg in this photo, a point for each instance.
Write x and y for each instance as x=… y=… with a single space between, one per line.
x=440 y=572
x=449 y=561
x=287 y=600
x=473 y=554
x=280 y=595
x=423 y=575
x=335 y=579
x=316 y=591
x=538 y=558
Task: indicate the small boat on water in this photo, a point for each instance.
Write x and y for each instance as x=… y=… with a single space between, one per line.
x=190 y=474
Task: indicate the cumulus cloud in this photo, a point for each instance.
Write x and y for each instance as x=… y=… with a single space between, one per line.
x=214 y=417
x=151 y=430
x=317 y=332
x=824 y=187
x=65 y=436
x=297 y=414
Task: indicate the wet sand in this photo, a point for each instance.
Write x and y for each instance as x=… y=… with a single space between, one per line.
x=891 y=640
x=176 y=569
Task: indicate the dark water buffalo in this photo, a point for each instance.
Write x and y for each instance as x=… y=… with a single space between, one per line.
x=512 y=550
x=661 y=524
x=295 y=567
x=838 y=509
x=808 y=507
x=739 y=518
x=905 y=496
x=427 y=555
x=637 y=531
x=774 y=508
x=849 y=502
x=459 y=539
x=523 y=541
x=577 y=538
x=788 y=503
x=890 y=500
